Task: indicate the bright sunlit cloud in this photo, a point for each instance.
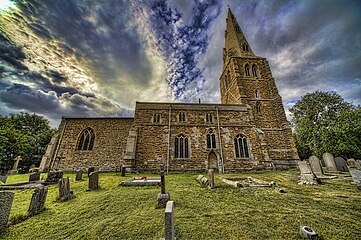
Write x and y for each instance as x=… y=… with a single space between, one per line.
x=5 y=5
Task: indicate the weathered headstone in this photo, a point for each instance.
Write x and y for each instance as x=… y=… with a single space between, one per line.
x=64 y=189
x=307 y=176
x=37 y=201
x=93 y=181
x=315 y=165
x=202 y=180
x=6 y=201
x=3 y=179
x=169 y=221
x=341 y=164
x=163 y=197
x=79 y=175
x=351 y=162
x=123 y=169
x=34 y=176
x=329 y=162
x=90 y=170
x=210 y=178
x=358 y=164
x=14 y=170
x=54 y=176
x=356 y=176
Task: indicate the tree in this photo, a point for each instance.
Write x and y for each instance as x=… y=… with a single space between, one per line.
x=26 y=135
x=325 y=122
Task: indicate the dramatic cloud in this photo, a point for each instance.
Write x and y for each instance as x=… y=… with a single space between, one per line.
x=96 y=58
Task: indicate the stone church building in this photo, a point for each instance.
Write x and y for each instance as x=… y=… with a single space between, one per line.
x=248 y=130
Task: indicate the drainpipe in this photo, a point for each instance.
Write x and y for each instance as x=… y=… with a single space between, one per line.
x=167 y=165
x=220 y=141
x=58 y=145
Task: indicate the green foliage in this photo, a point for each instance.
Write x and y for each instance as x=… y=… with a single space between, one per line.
x=25 y=135
x=325 y=122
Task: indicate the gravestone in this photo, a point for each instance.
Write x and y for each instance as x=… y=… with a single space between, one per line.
x=307 y=176
x=210 y=178
x=356 y=176
x=169 y=221
x=3 y=179
x=14 y=170
x=315 y=165
x=93 y=183
x=79 y=175
x=202 y=180
x=37 y=200
x=6 y=200
x=54 y=176
x=351 y=162
x=163 y=197
x=90 y=170
x=34 y=176
x=123 y=171
x=341 y=164
x=329 y=162
x=64 y=189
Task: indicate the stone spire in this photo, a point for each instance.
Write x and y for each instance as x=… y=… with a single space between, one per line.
x=236 y=44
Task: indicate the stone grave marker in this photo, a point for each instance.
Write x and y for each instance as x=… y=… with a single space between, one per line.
x=123 y=169
x=210 y=178
x=315 y=165
x=356 y=176
x=93 y=183
x=358 y=164
x=14 y=170
x=202 y=180
x=90 y=170
x=79 y=175
x=329 y=162
x=6 y=201
x=37 y=200
x=351 y=162
x=307 y=176
x=3 y=179
x=163 y=197
x=341 y=164
x=54 y=176
x=64 y=189
x=34 y=177
x=169 y=221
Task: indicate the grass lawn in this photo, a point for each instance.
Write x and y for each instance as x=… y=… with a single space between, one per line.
x=333 y=209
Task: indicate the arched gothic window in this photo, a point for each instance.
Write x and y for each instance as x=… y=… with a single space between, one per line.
x=156 y=118
x=182 y=117
x=258 y=107
x=209 y=117
x=241 y=146
x=246 y=70
x=86 y=140
x=211 y=139
x=256 y=93
x=254 y=70
x=181 y=147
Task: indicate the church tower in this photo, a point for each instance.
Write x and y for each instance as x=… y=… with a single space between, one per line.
x=247 y=79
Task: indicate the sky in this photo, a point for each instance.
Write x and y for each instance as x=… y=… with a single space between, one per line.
x=96 y=58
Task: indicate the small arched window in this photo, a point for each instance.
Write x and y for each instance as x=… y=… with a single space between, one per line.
x=211 y=139
x=245 y=47
x=209 y=117
x=241 y=146
x=228 y=78
x=86 y=140
x=258 y=107
x=181 y=147
x=182 y=117
x=246 y=70
x=156 y=118
x=256 y=94
x=254 y=70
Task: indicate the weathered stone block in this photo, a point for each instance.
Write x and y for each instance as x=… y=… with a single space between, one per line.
x=6 y=200
x=54 y=176
x=34 y=176
x=64 y=189
x=79 y=175
x=37 y=201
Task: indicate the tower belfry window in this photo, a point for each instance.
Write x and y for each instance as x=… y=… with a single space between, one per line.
x=258 y=107
x=182 y=117
x=256 y=93
x=254 y=70
x=246 y=70
x=245 y=47
x=209 y=117
x=156 y=118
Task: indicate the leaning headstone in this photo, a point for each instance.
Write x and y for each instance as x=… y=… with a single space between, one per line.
x=329 y=162
x=123 y=171
x=163 y=197
x=34 y=176
x=6 y=200
x=79 y=175
x=54 y=176
x=37 y=201
x=90 y=170
x=14 y=170
x=356 y=176
x=3 y=179
x=315 y=165
x=307 y=176
x=169 y=221
x=341 y=164
x=351 y=162
x=210 y=178
x=93 y=181
x=64 y=189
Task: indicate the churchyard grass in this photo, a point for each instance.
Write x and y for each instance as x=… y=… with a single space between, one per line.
x=113 y=212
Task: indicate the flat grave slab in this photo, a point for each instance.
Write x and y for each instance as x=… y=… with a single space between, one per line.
x=142 y=182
